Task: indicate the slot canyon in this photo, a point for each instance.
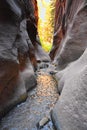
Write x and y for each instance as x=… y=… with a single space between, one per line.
x=43 y=64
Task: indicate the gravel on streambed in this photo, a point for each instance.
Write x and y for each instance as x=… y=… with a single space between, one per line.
x=38 y=105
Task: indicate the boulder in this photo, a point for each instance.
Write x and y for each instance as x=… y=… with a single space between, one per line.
x=70 y=112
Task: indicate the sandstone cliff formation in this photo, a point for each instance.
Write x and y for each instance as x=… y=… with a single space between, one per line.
x=59 y=29
x=70 y=31
x=70 y=56
x=20 y=50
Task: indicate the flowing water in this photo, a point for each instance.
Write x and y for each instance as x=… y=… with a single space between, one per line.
x=38 y=105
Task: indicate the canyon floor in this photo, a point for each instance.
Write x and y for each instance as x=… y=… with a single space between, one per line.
x=38 y=105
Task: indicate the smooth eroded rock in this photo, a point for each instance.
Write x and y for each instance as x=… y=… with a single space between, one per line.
x=28 y=75
x=16 y=74
x=70 y=112
x=12 y=87
x=74 y=41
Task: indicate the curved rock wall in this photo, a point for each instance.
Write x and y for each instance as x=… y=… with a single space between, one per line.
x=73 y=33
x=13 y=53
x=70 y=112
x=59 y=29
x=20 y=50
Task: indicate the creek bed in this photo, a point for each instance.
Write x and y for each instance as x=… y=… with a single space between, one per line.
x=38 y=105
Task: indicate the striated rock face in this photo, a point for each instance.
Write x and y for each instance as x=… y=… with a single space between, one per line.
x=70 y=112
x=12 y=45
x=59 y=29
x=74 y=29
x=19 y=47
x=36 y=48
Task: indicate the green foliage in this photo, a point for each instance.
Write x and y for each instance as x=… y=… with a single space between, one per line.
x=47 y=46
x=46 y=25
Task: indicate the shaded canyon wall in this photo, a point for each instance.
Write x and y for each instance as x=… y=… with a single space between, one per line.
x=20 y=50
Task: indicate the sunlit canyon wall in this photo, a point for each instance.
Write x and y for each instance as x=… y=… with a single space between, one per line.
x=70 y=57
x=70 y=31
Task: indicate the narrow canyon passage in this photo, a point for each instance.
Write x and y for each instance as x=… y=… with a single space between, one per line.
x=38 y=105
x=34 y=66
x=43 y=64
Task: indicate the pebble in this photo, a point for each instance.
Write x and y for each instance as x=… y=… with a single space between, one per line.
x=43 y=122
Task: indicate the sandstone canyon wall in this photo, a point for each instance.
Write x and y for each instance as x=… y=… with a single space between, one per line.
x=59 y=29
x=20 y=50
x=70 y=31
x=70 y=56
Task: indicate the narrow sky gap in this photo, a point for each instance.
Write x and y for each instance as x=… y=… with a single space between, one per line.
x=45 y=24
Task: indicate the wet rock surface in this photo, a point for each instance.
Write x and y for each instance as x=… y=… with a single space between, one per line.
x=38 y=105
